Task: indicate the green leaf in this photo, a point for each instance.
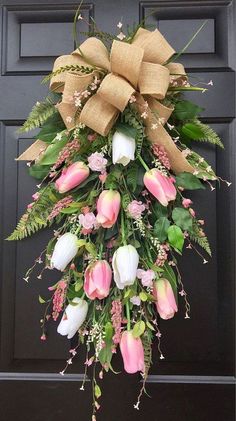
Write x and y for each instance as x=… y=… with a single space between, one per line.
x=160 y=210
x=105 y=355
x=182 y=218
x=143 y=296
x=192 y=130
x=126 y=129
x=39 y=171
x=91 y=248
x=138 y=329
x=161 y=228
x=51 y=154
x=186 y=110
x=41 y=300
x=188 y=181
x=176 y=237
x=169 y=274
x=149 y=325
x=53 y=126
x=132 y=177
x=97 y=391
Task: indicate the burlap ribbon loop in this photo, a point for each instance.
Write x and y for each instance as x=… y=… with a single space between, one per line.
x=138 y=68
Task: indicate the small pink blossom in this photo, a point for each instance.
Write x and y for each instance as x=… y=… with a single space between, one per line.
x=30 y=205
x=88 y=221
x=136 y=209
x=35 y=196
x=43 y=337
x=97 y=162
x=192 y=212
x=102 y=177
x=146 y=277
x=186 y=203
x=91 y=137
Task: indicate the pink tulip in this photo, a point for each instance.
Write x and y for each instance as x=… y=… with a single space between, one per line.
x=160 y=186
x=132 y=352
x=108 y=207
x=72 y=176
x=165 y=299
x=97 y=280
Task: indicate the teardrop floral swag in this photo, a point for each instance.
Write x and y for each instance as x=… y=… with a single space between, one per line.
x=115 y=160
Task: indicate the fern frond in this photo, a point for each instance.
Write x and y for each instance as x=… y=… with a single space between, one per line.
x=209 y=134
x=39 y=114
x=36 y=218
x=132 y=118
x=201 y=241
x=68 y=68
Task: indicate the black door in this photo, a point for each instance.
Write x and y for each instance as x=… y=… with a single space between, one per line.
x=195 y=380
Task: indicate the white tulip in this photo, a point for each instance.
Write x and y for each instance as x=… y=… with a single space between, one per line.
x=64 y=251
x=125 y=263
x=123 y=149
x=73 y=317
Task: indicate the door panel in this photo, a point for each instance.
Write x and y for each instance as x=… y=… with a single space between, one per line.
x=195 y=381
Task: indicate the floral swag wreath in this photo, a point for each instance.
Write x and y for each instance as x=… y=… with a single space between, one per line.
x=114 y=158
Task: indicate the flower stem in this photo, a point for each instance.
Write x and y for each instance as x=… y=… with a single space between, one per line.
x=128 y=315
x=143 y=163
x=123 y=228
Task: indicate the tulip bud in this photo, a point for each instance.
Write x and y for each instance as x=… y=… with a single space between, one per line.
x=97 y=280
x=123 y=149
x=132 y=352
x=72 y=176
x=108 y=207
x=73 y=317
x=64 y=251
x=160 y=186
x=165 y=299
x=125 y=263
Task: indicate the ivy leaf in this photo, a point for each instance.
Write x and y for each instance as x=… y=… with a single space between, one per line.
x=51 y=154
x=182 y=218
x=176 y=237
x=161 y=228
x=39 y=171
x=138 y=329
x=126 y=129
x=186 y=110
x=188 y=181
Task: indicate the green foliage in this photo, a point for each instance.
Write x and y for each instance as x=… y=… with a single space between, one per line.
x=53 y=126
x=203 y=242
x=138 y=329
x=37 y=217
x=50 y=155
x=39 y=114
x=188 y=181
x=133 y=118
x=204 y=170
x=186 y=110
x=69 y=68
x=147 y=348
x=182 y=218
x=176 y=237
x=126 y=129
x=161 y=228
x=207 y=134
x=105 y=355
x=169 y=274
x=160 y=210
x=39 y=171
x=132 y=176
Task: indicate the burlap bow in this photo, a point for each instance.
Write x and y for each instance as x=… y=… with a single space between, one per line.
x=136 y=68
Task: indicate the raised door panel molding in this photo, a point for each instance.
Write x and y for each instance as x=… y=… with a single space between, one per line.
x=49 y=29
x=179 y=20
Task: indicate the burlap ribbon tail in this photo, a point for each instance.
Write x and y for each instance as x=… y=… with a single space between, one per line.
x=132 y=69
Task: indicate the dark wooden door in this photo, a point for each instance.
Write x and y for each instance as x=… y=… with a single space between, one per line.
x=195 y=381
